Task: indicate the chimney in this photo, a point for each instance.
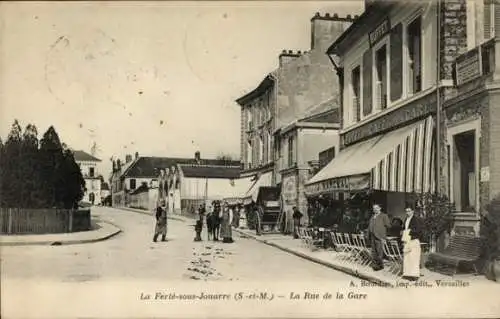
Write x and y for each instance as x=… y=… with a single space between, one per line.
x=197 y=156
x=287 y=56
x=136 y=155
x=128 y=158
x=326 y=29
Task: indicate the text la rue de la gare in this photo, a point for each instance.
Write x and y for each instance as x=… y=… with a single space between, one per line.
x=268 y=296
x=263 y=296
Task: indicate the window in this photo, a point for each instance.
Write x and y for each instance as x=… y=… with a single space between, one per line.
x=132 y=183
x=261 y=149
x=356 y=93
x=91 y=172
x=381 y=78
x=291 y=151
x=415 y=56
x=249 y=154
x=269 y=159
x=249 y=119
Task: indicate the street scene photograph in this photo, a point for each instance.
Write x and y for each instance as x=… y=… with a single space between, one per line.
x=218 y=158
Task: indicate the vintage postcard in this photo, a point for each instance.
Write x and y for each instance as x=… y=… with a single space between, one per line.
x=250 y=159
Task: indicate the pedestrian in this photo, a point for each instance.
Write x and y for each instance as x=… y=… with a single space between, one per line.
x=215 y=220
x=377 y=232
x=226 y=222
x=297 y=215
x=237 y=214
x=161 y=222
x=410 y=237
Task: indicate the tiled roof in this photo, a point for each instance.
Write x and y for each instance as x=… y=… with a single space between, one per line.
x=210 y=171
x=330 y=116
x=330 y=104
x=83 y=156
x=149 y=166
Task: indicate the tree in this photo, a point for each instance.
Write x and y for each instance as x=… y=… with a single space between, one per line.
x=32 y=193
x=51 y=158
x=73 y=181
x=11 y=183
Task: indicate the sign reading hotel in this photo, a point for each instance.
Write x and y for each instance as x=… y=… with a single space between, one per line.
x=379 y=32
x=468 y=66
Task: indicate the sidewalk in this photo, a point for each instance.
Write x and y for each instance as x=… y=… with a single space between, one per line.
x=328 y=259
x=101 y=230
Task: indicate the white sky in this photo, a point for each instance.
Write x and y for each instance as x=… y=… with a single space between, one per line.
x=111 y=72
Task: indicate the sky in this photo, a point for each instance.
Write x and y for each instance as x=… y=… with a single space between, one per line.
x=157 y=78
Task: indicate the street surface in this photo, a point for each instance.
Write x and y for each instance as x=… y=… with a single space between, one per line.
x=133 y=255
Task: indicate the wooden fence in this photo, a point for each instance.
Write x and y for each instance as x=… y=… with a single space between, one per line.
x=43 y=221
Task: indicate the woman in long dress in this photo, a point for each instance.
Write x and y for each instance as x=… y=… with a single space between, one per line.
x=412 y=232
x=227 y=220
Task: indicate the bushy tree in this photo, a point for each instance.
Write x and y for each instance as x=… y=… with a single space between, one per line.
x=31 y=193
x=12 y=183
x=435 y=210
x=73 y=182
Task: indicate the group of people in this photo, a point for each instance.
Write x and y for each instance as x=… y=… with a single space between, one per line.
x=411 y=235
x=218 y=221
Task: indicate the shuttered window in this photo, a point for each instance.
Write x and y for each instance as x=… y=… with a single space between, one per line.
x=415 y=56
x=356 y=93
x=396 y=62
x=367 y=83
x=381 y=77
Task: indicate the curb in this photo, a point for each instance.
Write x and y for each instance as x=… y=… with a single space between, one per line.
x=103 y=237
x=145 y=212
x=346 y=270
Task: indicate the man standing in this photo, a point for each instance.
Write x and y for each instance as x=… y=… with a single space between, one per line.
x=161 y=222
x=377 y=232
x=297 y=215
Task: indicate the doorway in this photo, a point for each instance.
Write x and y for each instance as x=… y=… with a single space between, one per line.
x=464 y=171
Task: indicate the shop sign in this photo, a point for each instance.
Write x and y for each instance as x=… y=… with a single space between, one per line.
x=468 y=66
x=407 y=113
x=340 y=184
x=379 y=32
x=485 y=174
x=289 y=189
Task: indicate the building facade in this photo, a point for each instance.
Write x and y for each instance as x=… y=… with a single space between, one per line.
x=88 y=167
x=394 y=63
x=301 y=142
x=302 y=81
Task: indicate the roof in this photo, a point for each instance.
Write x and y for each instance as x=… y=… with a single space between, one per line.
x=148 y=166
x=329 y=116
x=211 y=171
x=266 y=83
x=321 y=108
x=82 y=156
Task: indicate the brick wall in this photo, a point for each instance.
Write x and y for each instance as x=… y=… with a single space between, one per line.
x=494 y=144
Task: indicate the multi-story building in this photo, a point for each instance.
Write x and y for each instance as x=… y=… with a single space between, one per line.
x=303 y=80
x=399 y=102
x=88 y=167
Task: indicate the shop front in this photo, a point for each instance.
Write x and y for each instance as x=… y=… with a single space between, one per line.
x=390 y=167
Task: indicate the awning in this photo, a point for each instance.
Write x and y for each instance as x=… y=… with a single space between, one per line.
x=238 y=190
x=399 y=161
x=264 y=180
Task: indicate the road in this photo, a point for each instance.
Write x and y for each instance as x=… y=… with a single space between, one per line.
x=132 y=255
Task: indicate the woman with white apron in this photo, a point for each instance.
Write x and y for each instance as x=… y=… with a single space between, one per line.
x=411 y=249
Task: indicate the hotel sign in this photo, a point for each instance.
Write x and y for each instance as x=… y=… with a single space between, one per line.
x=346 y=183
x=468 y=66
x=379 y=32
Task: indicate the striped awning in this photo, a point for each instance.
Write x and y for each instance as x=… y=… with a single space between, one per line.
x=400 y=161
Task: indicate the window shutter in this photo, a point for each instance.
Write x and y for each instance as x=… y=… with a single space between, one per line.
x=487 y=19
x=367 y=83
x=396 y=63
